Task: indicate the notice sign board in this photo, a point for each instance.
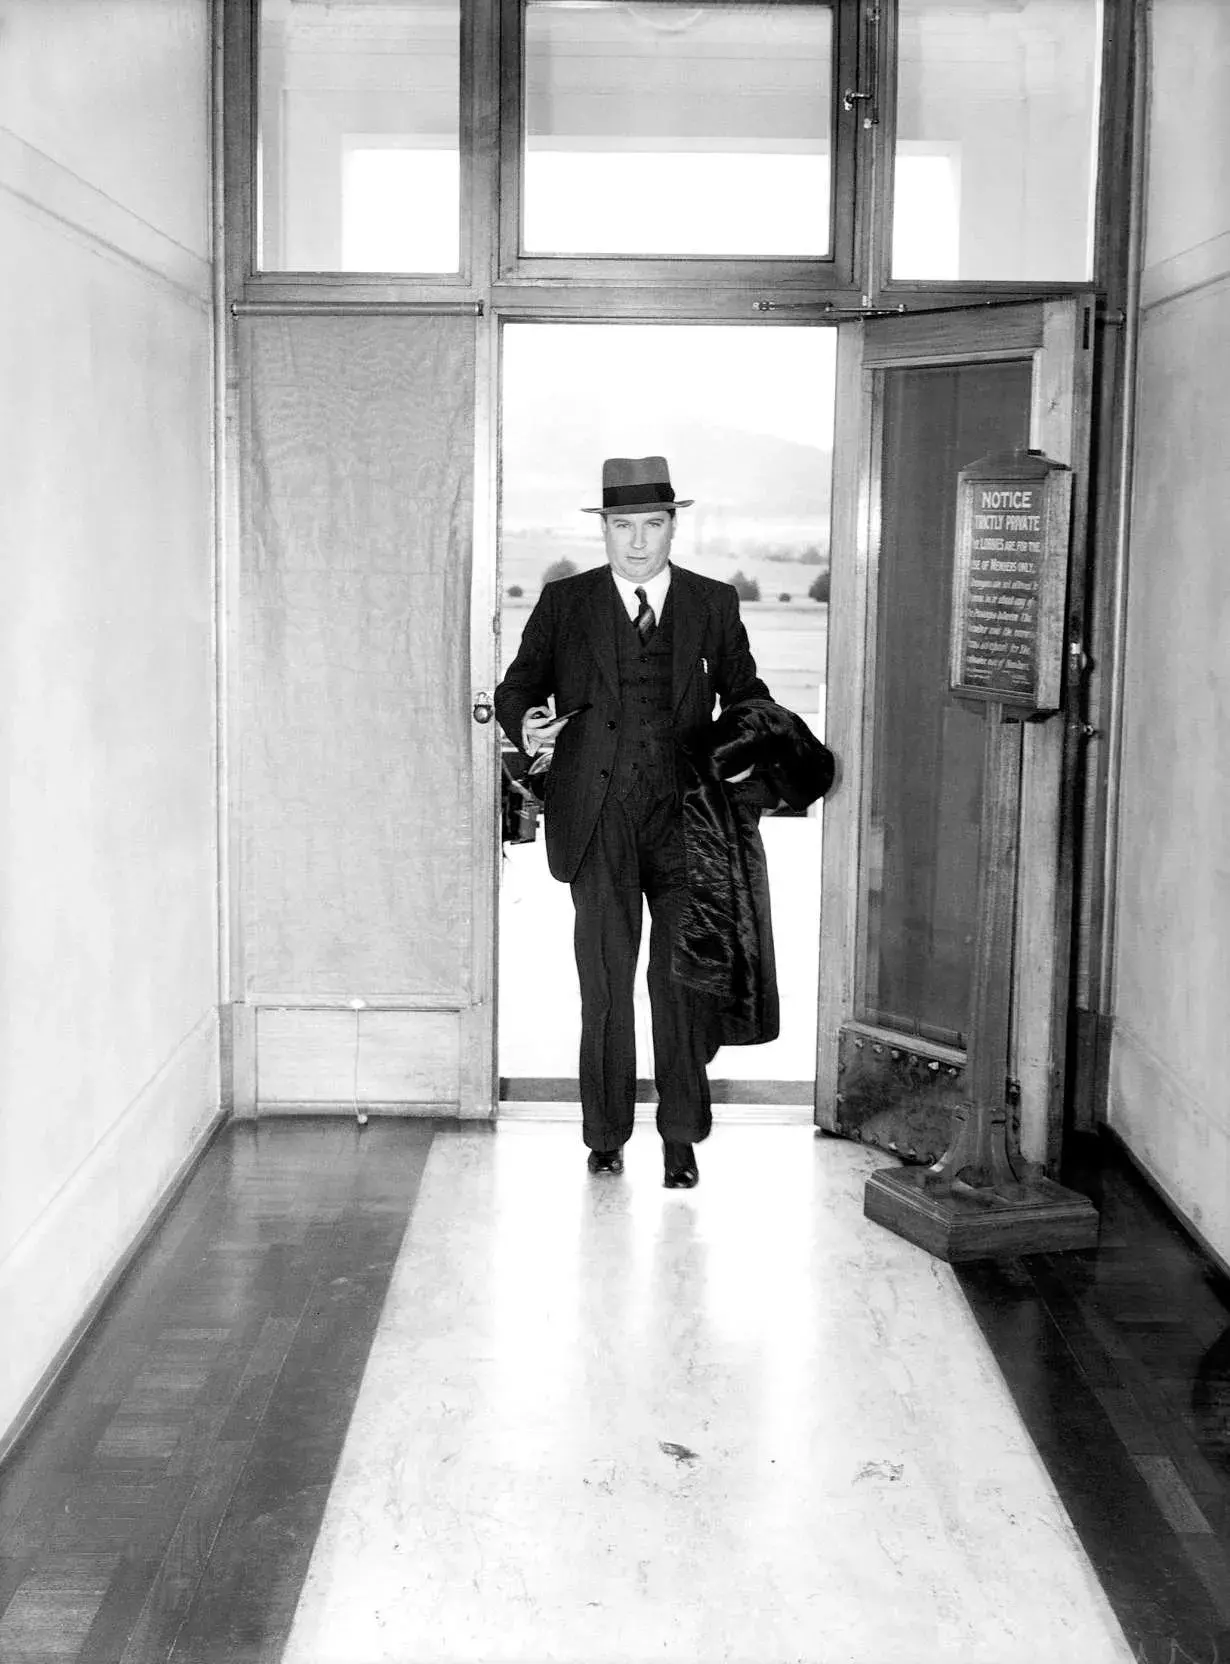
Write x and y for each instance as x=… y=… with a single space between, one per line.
x=1010 y=580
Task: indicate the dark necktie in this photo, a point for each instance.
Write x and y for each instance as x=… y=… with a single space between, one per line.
x=645 y=620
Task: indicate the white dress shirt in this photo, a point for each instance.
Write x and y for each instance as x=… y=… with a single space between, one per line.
x=655 y=592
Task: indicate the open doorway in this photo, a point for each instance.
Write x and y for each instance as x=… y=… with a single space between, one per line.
x=744 y=415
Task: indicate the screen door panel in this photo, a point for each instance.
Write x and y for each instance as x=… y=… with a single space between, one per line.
x=355 y=834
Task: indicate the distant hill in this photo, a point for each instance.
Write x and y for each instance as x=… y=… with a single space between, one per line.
x=550 y=471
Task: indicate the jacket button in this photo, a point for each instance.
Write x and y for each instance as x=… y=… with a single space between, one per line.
x=602 y=773
x=611 y=725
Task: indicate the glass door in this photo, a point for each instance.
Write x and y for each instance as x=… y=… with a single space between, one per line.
x=744 y=415
x=922 y=398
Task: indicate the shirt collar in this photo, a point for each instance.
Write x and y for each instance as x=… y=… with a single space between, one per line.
x=655 y=591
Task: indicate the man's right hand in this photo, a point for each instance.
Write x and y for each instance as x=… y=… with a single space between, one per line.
x=539 y=730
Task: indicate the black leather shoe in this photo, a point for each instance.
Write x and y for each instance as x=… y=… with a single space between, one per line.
x=679 y=1164
x=606 y=1161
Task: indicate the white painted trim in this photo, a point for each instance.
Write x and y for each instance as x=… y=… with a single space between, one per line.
x=1182 y=274
x=854 y=541
x=406 y=1108
x=52 y=190
x=477 y=1072
x=57 y=1275
x=450 y=1004
x=10 y=1436
x=1160 y=1190
x=225 y=523
x=1174 y=1135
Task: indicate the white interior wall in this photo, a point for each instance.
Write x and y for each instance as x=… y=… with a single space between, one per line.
x=108 y=1021
x=1171 y=1048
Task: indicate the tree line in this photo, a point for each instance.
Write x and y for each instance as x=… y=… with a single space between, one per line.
x=747 y=589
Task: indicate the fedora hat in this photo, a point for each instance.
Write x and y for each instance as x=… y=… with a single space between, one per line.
x=637 y=485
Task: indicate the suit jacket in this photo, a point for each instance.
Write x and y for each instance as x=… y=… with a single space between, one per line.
x=568 y=649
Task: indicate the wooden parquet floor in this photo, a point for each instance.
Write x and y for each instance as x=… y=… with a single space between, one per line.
x=165 y=1503
x=1119 y=1362
x=167 y=1498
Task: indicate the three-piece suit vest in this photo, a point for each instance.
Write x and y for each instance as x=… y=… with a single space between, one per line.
x=645 y=758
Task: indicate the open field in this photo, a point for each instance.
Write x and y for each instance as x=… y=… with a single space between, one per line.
x=772 y=558
x=789 y=640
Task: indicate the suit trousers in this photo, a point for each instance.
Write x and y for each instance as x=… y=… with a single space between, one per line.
x=637 y=851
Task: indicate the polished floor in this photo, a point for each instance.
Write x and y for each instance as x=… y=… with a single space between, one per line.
x=602 y=1420
x=167 y=1498
x=1119 y=1363
x=560 y=1417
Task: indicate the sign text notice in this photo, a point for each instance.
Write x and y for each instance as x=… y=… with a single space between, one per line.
x=1003 y=583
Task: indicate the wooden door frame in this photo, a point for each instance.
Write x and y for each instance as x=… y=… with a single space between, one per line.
x=759 y=1100
x=1057 y=337
x=478 y=1082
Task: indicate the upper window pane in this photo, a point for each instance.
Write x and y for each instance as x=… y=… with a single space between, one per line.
x=358 y=135
x=684 y=130
x=997 y=115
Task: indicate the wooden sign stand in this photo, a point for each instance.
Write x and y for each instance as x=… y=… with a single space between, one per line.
x=981 y=1200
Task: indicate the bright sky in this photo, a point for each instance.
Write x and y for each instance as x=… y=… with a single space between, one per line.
x=718 y=203
x=762 y=379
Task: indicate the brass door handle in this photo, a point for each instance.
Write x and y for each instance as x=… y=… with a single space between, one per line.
x=484 y=710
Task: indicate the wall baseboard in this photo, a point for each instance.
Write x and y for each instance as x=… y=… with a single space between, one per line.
x=1172 y=1123
x=1186 y=1224
x=21 y=1423
x=58 y=1274
x=269 y=1110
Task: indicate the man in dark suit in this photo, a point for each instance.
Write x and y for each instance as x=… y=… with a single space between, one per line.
x=633 y=654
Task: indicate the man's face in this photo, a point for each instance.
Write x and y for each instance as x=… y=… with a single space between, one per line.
x=638 y=546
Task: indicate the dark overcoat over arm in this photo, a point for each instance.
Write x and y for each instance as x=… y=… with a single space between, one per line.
x=568 y=651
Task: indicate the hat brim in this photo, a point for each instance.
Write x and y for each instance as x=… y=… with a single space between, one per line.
x=642 y=508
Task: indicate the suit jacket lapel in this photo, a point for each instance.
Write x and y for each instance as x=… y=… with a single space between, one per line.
x=690 y=611
x=599 y=616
